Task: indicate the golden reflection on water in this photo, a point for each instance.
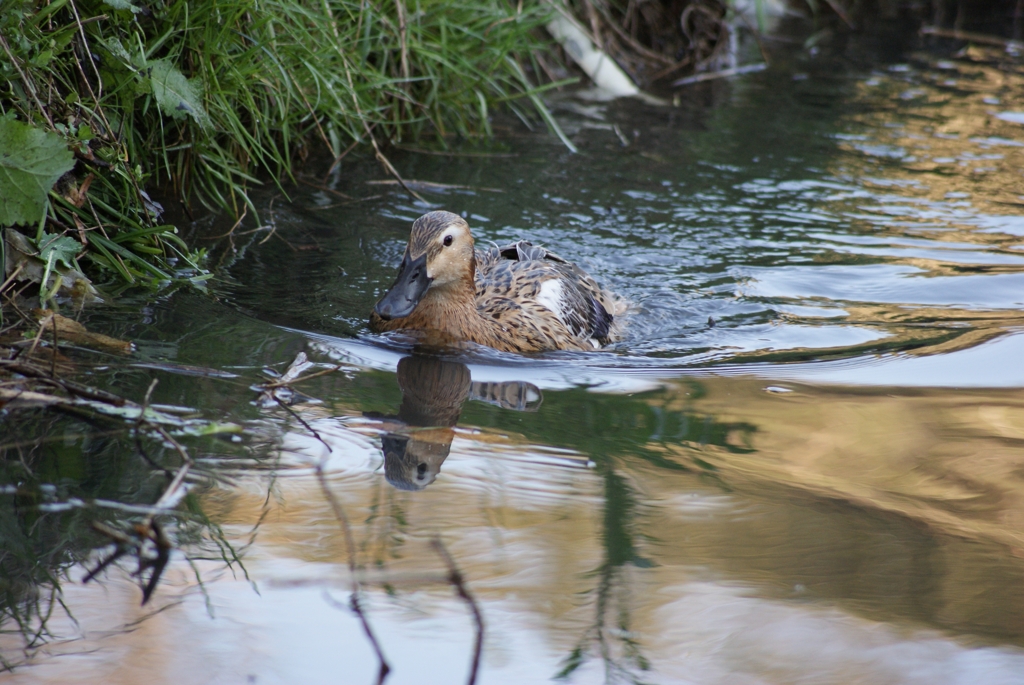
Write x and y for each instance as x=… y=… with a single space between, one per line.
x=938 y=130
x=885 y=523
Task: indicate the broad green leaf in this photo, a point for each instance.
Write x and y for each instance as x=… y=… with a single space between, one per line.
x=176 y=96
x=31 y=161
x=63 y=248
x=22 y=255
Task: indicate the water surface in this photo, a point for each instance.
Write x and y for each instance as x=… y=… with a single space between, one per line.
x=801 y=464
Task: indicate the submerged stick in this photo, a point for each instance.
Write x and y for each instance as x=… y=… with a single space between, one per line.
x=971 y=36
x=350 y=546
x=299 y=379
x=302 y=421
x=724 y=73
x=456 y=579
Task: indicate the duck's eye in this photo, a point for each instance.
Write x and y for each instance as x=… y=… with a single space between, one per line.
x=447 y=240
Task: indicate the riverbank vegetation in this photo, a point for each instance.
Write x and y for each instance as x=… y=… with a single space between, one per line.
x=203 y=99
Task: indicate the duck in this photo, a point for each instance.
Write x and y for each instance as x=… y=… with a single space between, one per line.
x=518 y=298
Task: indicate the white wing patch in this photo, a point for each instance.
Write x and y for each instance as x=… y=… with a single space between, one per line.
x=550 y=297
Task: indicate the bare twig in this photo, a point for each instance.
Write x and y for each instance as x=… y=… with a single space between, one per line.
x=237 y=223
x=337 y=160
x=456 y=579
x=316 y=120
x=632 y=43
x=283 y=383
x=447 y=153
x=430 y=185
x=39 y=334
x=346 y=203
x=70 y=387
x=724 y=73
x=971 y=36
x=757 y=36
x=350 y=546
x=326 y=189
x=373 y=141
x=302 y=421
x=685 y=62
x=12 y=277
x=138 y=437
x=29 y=85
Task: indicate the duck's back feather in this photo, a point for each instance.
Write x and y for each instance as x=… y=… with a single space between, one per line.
x=522 y=283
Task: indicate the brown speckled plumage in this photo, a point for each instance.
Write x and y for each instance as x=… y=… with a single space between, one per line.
x=518 y=298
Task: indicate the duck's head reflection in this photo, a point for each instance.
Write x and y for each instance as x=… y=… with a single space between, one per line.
x=433 y=392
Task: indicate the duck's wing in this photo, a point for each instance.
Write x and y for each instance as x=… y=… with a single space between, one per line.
x=577 y=301
x=546 y=286
x=520 y=251
x=524 y=251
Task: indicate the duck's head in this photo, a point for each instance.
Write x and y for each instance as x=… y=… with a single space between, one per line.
x=439 y=256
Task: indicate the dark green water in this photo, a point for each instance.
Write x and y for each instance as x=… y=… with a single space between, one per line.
x=824 y=486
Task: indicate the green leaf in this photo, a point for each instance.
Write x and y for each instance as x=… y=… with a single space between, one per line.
x=42 y=59
x=31 y=161
x=63 y=248
x=122 y=5
x=176 y=96
x=118 y=50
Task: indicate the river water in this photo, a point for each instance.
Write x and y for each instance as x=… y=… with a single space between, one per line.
x=802 y=464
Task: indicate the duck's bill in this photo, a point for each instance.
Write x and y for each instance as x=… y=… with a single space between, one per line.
x=407 y=290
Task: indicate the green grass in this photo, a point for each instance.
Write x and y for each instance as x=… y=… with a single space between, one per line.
x=206 y=97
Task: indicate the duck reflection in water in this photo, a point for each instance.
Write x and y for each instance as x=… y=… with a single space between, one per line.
x=419 y=439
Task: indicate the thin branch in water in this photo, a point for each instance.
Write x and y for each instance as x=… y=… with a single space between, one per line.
x=281 y=384
x=456 y=579
x=971 y=36
x=724 y=73
x=326 y=189
x=302 y=421
x=238 y=223
x=163 y=555
x=431 y=186
x=350 y=547
x=39 y=334
x=355 y=608
x=138 y=438
x=447 y=153
x=53 y=356
x=347 y=203
x=343 y=155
